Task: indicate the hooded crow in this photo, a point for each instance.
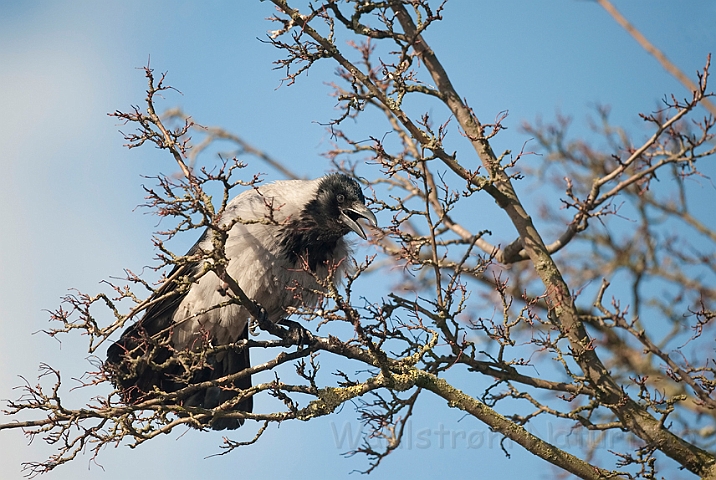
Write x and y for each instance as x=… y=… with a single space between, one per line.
x=283 y=234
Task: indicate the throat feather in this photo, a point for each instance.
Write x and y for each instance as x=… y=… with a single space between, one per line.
x=304 y=240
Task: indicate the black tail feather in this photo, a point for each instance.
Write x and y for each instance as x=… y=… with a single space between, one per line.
x=227 y=363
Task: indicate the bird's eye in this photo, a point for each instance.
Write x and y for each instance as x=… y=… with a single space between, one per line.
x=340 y=198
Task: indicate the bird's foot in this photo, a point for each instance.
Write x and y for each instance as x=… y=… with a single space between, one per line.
x=297 y=333
x=261 y=322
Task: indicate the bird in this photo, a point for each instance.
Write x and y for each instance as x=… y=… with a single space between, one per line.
x=285 y=235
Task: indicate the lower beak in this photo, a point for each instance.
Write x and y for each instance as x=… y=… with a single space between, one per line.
x=350 y=214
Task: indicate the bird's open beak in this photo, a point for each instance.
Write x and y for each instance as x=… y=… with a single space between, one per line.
x=350 y=214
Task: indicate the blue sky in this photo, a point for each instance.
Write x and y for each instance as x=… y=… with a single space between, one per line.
x=69 y=189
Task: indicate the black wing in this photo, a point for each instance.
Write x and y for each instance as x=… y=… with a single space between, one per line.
x=133 y=359
x=139 y=362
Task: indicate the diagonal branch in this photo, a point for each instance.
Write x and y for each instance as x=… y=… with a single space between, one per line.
x=658 y=54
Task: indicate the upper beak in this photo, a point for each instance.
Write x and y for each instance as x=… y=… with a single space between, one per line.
x=350 y=214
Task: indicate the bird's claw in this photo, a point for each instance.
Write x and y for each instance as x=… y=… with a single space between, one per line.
x=263 y=318
x=261 y=321
x=297 y=333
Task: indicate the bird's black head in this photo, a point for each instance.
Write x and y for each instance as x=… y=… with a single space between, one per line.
x=332 y=213
x=339 y=203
